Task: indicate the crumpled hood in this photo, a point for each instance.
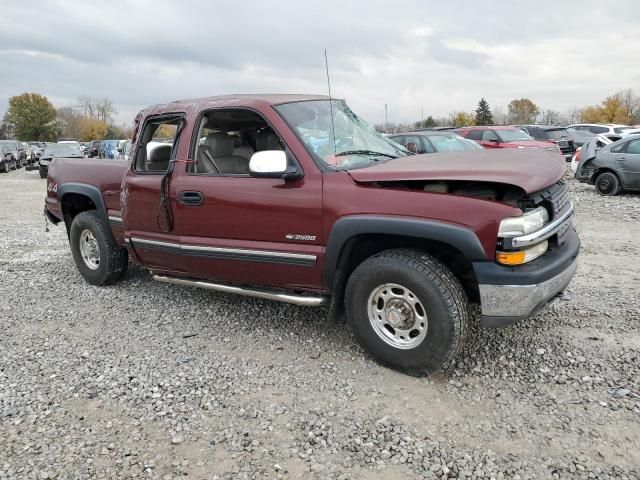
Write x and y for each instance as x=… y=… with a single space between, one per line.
x=529 y=169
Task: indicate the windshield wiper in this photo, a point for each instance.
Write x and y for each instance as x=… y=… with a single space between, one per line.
x=365 y=152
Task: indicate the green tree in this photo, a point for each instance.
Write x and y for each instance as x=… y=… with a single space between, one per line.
x=483 y=113
x=522 y=111
x=31 y=116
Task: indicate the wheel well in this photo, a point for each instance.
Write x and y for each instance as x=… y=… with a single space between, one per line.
x=72 y=204
x=602 y=170
x=361 y=247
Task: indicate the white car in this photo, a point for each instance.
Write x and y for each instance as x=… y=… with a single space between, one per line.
x=614 y=131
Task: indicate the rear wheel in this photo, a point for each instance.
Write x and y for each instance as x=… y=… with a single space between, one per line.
x=43 y=172
x=4 y=167
x=607 y=184
x=407 y=310
x=98 y=258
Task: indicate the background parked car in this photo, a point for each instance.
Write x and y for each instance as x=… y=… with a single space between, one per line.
x=504 y=137
x=430 y=141
x=94 y=148
x=7 y=160
x=554 y=134
x=612 y=168
x=16 y=150
x=599 y=141
x=613 y=131
x=108 y=149
x=58 y=150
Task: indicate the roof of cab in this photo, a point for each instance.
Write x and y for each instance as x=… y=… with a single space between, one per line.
x=233 y=100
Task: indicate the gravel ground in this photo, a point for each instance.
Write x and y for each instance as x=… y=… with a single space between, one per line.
x=149 y=380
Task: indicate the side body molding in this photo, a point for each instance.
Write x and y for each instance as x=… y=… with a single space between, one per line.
x=346 y=228
x=88 y=191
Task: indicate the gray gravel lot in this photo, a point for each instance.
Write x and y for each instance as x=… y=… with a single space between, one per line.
x=149 y=380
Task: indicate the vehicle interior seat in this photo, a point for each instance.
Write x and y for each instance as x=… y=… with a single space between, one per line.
x=242 y=148
x=159 y=158
x=267 y=140
x=217 y=156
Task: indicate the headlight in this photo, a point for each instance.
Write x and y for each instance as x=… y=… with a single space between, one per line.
x=527 y=223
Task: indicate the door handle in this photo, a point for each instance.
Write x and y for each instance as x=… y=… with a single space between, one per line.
x=191 y=198
x=622 y=158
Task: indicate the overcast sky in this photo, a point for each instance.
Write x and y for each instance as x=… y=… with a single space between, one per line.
x=441 y=56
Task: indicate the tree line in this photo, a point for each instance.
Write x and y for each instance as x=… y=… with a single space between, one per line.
x=32 y=117
x=622 y=107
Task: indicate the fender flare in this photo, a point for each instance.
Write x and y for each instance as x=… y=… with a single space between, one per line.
x=346 y=228
x=90 y=191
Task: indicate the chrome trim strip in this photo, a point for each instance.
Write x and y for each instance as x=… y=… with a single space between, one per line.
x=520 y=301
x=113 y=219
x=223 y=250
x=542 y=234
x=303 y=300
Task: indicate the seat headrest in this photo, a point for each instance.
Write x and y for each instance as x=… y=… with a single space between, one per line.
x=220 y=144
x=267 y=140
x=159 y=157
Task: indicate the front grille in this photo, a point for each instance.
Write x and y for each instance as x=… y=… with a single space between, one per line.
x=559 y=200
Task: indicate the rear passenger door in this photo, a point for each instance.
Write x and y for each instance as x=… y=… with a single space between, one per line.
x=146 y=219
x=628 y=163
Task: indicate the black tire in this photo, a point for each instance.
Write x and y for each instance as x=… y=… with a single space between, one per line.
x=607 y=184
x=4 y=168
x=43 y=172
x=113 y=260
x=439 y=294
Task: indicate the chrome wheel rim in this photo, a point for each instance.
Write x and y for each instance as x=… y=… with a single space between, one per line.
x=89 y=250
x=397 y=316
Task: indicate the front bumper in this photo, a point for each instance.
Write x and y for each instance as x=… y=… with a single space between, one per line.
x=510 y=294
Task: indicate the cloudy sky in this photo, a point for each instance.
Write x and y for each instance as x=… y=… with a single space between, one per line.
x=438 y=55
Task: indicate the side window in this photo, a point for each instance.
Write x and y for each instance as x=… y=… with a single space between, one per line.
x=413 y=144
x=598 y=129
x=399 y=139
x=427 y=147
x=619 y=148
x=228 y=138
x=489 y=136
x=475 y=135
x=633 y=147
x=155 y=147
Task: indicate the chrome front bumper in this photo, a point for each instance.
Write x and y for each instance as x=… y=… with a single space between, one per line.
x=503 y=305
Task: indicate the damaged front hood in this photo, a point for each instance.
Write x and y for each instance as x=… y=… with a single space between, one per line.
x=529 y=169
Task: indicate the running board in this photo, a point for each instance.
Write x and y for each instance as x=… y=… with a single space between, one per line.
x=304 y=300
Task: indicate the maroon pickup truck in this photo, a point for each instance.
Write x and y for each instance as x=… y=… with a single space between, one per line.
x=294 y=198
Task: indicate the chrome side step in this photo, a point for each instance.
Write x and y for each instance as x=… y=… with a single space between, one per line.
x=304 y=300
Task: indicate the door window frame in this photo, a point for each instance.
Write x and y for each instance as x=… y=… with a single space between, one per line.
x=180 y=116
x=195 y=136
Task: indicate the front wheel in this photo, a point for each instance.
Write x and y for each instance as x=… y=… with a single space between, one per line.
x=407 y=310
x=98 y=258
x=607 y=184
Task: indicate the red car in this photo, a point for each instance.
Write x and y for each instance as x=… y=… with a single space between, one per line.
x=504 y=137
x=294 y=198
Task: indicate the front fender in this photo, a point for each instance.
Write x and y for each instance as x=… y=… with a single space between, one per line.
x=460 y=238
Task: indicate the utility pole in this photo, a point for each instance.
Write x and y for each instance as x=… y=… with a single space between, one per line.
x=386 y=122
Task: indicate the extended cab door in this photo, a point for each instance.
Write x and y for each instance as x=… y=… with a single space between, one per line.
x=145 y=217
x=237 y=228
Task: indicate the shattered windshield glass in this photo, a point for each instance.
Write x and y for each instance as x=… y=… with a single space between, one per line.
x=346 y=143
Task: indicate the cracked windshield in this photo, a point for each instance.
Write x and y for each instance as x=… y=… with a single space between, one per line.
x=346 y=144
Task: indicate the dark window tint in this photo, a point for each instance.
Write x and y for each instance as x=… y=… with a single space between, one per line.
x=598 y=129
x=537 y=133
x=618 y=148
x=558 y=134
x=633 y=147
x=475 y=135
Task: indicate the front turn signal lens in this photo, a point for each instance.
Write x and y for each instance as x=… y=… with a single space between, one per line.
x=520 y=257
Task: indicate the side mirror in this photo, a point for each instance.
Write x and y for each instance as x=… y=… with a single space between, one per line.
x=273 y=164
